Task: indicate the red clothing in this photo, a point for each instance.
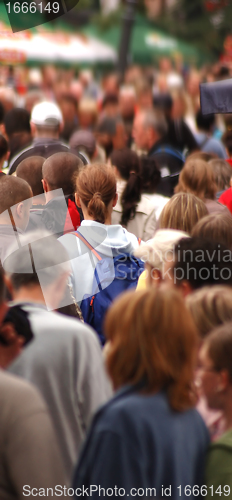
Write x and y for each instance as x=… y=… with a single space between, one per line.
x=75 y=217
x=226 y=199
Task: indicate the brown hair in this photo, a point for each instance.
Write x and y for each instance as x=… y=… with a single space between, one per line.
x=30 y=169
x=222 y=173
x=200 y=155
x=182 y=212
x=215 y=227
x=219 y=346
x=60 y=171
x=153 y=338
x=96 y=187
x=210 y=307
x=197 y=178
x=13 y=190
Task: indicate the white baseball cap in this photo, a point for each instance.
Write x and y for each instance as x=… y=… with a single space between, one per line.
x=46 y=114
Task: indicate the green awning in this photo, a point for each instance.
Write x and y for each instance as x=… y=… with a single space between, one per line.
x=148 y=43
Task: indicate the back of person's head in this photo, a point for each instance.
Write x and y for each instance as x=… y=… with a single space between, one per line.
x=127 y=166
x=215 y=227
x=41 y=260
x=30 y=170
x=96 y=188
x=200 y=155
x=197 y=178
x=60 y=171
x=156 y=251
x=17 y=120
x=3 y=147
x=222 y=173
x=153 y=340
x=210 y=307
x=46 y=118
x=108 y=125
x=205 y=122
x=150 y=174
x=218 y=345
x=12 y=192
x=182 y=212
x=83 y=140
x=163 y=102
x=201 y=263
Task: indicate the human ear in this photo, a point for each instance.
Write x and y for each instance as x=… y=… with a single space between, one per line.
x=78 y=201
x=20 y=210
x=115 y=200
x=45 y=185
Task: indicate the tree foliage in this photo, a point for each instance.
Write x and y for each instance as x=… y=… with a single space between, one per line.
x=191 y=21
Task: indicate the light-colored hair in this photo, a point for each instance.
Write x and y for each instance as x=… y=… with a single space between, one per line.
x=222 y=173
x=154 y=340
x=210 y=307
x=215 y=227
x=197 y=178
x=156 y=251
x=156 y=121
x=219 y=347
x=182 y=212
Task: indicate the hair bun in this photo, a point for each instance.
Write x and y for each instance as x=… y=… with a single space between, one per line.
x=97 y=195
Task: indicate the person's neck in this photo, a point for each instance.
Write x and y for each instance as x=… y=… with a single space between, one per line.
x=32 y=294
x=108 y=221
x=46 y=135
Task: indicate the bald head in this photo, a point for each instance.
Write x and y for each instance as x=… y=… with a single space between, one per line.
x=60 y=171
x=12 y=192
x=30 y=170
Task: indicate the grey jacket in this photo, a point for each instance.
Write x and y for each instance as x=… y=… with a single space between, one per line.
x=64 y=361
x=8 y=236
x=29 y=453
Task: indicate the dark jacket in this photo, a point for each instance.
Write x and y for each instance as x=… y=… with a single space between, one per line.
x=40 y=147
x=170 y=162
x=138 y=441
x=180 y=136
x=59 y=216
x=45 y=148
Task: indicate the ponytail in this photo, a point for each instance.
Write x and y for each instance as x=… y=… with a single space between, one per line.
x=131 y=196
x=96 y=187
x=128 y=166
x=97 y=209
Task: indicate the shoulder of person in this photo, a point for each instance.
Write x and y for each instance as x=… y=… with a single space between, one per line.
x=18 y=398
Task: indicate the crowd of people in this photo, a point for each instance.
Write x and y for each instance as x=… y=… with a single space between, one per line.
x=115 y=285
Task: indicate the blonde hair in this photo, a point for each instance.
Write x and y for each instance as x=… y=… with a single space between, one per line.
x=182 y=212
x=156 y=251
x=210 y=307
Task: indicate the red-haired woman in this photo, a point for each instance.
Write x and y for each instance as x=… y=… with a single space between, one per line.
x=148 y=440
